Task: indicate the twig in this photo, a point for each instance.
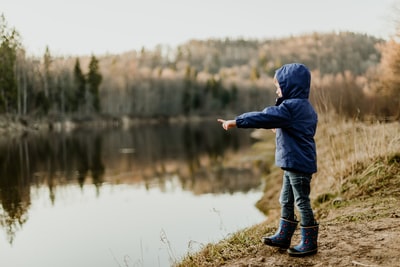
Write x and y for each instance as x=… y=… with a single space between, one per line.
x=164 y=239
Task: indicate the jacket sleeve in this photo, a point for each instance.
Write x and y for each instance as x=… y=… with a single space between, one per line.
x=270 y=118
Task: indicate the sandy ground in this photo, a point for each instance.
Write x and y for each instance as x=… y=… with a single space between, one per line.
x=356 y=244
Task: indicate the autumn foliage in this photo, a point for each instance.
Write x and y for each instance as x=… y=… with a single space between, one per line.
x=354 y=75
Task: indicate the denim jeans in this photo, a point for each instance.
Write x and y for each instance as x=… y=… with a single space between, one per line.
x=296 y=190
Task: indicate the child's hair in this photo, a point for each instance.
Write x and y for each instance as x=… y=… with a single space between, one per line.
x=276 y=80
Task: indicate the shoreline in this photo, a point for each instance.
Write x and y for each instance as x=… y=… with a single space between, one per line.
x=16 y=126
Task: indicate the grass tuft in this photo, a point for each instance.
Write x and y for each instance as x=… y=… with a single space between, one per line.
x=245 y=242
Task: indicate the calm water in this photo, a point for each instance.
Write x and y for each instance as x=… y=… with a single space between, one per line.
x=139 y=197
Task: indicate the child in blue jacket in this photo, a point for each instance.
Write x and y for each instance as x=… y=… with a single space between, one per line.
x=295 y=121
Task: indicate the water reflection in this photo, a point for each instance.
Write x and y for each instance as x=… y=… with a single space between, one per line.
x=149 y=155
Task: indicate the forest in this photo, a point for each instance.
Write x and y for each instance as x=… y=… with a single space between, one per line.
x=353 y=74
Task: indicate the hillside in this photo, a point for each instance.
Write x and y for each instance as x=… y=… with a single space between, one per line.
x=357 y=206
x=197 y=78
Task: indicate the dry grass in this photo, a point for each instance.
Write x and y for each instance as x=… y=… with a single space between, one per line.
x=343 y=145
x=245 y=242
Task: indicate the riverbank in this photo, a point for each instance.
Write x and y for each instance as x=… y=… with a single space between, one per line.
x=355 y=196
x=18 y=126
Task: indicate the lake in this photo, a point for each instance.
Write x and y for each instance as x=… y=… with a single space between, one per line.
x=143 y=196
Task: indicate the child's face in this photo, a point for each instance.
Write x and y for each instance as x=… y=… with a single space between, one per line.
x=278 y=88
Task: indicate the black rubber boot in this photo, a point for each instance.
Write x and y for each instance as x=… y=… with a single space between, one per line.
x=309 y=242
x=283 y=235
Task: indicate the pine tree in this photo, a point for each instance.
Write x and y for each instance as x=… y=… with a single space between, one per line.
x=94 y=79
x=79 y=98
x=9 y=45
x=47 y=75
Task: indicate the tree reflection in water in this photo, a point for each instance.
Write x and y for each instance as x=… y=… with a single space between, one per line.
x=149 y=154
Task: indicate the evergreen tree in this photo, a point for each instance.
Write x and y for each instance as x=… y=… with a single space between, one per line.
x=79 y=98
x=47 y=97
x=47 y=75
x=9 y=44
x=94 y=79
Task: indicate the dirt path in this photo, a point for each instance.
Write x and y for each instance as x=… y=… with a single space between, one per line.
x=353 y=244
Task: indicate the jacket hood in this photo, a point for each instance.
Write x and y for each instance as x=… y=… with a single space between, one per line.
x=294 y=80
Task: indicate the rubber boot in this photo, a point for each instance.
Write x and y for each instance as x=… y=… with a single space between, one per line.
x=283 y=235
x=308 y=245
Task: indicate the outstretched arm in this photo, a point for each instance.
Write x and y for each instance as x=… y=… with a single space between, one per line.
x=227 y=124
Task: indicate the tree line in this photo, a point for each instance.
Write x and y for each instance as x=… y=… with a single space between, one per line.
x=30 y=85
x=197 y=78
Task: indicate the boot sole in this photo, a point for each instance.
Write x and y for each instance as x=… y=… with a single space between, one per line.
x=268 y=242
x=301 y=254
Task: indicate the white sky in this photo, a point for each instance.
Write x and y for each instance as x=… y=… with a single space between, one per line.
x=71 y=27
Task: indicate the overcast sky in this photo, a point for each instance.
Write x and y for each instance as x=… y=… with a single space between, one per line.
x=71 y=27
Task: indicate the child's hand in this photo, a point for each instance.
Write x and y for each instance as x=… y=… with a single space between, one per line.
x=227 y=124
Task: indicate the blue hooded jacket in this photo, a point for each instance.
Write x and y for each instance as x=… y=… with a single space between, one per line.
x=293 y=117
